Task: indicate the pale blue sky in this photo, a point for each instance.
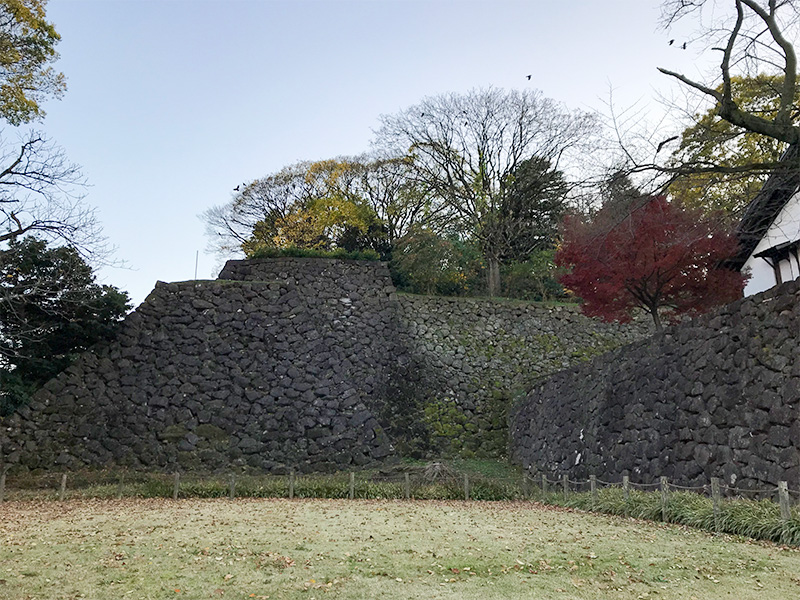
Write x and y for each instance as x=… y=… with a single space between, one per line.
x=172 y=103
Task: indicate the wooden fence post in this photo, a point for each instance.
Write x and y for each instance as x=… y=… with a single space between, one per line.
x=664 y=484
x=3 y=472
x=715 y=500
x=232 y=486
x=406 y=486
x=120 y=485
x=352 y=491
x=525 y=486
x=783 y=500
x=466 y=486
x=565 y=485
x=544 y=484
x=593 y=489
x=62 y=490
x=291 y=484
x=176 y=486
x=626 y=488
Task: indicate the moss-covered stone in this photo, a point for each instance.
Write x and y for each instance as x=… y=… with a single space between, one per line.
x=211 y=433
x=299 y=362
x=173 y=433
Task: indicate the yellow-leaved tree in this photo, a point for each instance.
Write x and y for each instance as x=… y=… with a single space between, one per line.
x=714 y=142
x=27 y=49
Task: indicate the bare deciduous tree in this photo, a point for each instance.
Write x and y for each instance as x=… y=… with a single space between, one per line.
x=466 y=148
x=264 y=200
x=752 y=40
x=40 y=193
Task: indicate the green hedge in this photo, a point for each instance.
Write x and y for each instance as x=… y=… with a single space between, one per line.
x=758 y=519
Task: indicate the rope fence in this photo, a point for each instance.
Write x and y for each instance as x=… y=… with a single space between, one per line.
x=349 y=485
x=661 y=500
x=353 y=481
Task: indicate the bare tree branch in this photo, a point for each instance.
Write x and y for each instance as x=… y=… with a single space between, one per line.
x=698 y=86
x=467 y=147
x=41 y=192
x=754 y=115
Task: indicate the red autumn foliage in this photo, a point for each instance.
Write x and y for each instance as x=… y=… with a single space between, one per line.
x=658 y=256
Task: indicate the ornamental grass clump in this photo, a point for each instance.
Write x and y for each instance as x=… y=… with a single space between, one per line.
x=758 y=519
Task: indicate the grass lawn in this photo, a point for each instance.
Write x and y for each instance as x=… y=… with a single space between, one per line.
x=312 y=549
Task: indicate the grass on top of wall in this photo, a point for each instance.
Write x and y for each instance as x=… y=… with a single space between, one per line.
x=294 y=252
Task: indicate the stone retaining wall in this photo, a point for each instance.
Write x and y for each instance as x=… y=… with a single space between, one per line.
x=718 y=396
x=216 y=373
x=481 y=354
x=311 y=364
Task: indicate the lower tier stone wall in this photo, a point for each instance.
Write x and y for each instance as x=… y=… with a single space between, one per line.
x=718 y=396
x=218 y=374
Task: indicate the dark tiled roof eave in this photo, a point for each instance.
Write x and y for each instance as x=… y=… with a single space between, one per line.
x=765 y=207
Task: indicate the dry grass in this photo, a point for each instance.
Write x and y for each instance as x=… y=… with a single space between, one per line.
x=312 y=549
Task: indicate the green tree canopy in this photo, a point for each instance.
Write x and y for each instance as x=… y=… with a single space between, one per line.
x=325 y=210
x=354 y=203
x=532 y=209
x=51 y=309
x=426 y=262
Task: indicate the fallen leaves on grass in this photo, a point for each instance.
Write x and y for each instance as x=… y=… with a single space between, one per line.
x=274 y=560
x=356 y=541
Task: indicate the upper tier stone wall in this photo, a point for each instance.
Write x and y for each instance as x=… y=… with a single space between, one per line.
x=717 y=396
x=322 y=277
x=480 y=354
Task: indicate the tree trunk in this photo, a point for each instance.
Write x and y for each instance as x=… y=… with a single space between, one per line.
x=493 y=276
x=656 y=318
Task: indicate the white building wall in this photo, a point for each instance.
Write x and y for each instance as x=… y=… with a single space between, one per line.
x=785 y=228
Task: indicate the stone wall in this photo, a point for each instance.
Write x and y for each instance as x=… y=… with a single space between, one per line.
x=217 y=373
x=321 y=277
x=718 y=396
x=312 y=364
x=481 y=354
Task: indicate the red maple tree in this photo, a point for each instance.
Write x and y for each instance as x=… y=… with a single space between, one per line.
x=657 y=256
